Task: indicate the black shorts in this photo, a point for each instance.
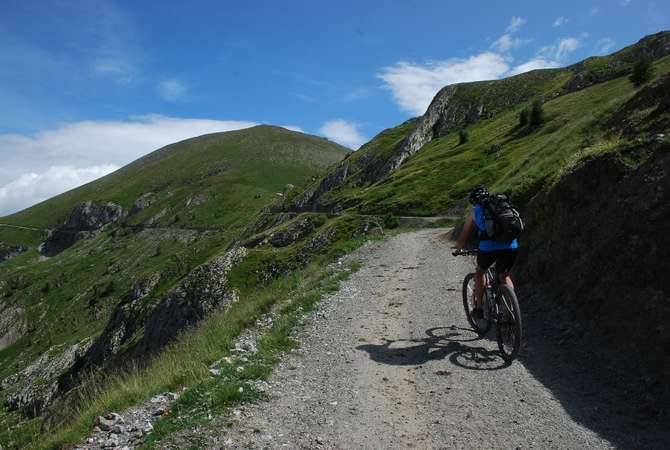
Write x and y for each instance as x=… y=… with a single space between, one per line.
x=504 y=260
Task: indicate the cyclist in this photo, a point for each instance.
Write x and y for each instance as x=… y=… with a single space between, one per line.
x=490 y=251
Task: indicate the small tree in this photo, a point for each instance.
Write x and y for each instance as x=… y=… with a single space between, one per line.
x=536 y=114
x=523 y=117
x=642 y=71
x=463 y=137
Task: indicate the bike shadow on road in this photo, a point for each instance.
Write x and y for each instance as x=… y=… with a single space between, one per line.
x=463 y=347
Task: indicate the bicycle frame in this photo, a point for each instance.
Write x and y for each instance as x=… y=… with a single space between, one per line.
x=491 y=295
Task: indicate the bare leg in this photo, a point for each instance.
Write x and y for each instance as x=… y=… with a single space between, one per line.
x=507 y=279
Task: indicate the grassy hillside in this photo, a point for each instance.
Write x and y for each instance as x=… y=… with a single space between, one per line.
x=202 y=195
x=210 y=187
x=499 y=153
x=216 y=172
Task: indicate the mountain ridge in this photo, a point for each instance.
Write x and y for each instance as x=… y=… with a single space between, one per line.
x=142 y=283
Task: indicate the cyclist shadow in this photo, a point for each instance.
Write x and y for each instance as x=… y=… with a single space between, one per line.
x=457 y=344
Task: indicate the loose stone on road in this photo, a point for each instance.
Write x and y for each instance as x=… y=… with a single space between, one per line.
x=390 y=362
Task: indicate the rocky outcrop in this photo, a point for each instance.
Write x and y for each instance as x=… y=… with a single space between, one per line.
x=138 y=328
x=459 y=105
x=646 y=112
x=12 y=324
x=33 y=389
x=84 y=221
x=600 y=69
x=9 y=251
x=599 y=242
x=204 y=290
x=143 y=202
x=292 y=233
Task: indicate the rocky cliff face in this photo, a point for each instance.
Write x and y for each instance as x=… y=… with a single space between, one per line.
x=9 y=251
x=84 y=221
x=599 y=241
x=154 y=324
x=456 y=106
x=599 y=69
x=12 y=324
x=33 y=389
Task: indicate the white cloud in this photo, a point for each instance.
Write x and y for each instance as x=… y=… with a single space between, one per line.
x=343 y=132
x=625 y=2
x=83 y=150
x=560 y=21
x=171 y=89
x=514 y=24
x=414 y=85
x=604 y=46
x=293 y=128
x=560 y=50
x=565 y=46
x=594 y=10
x=533 y=64
x=31 y=188
x=506 y=42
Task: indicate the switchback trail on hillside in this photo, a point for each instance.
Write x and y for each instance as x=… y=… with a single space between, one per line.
x=389 y=361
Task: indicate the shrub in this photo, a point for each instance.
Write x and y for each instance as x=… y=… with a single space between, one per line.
x=536 y=114
x=523 y=117
x=463 y=137
x=642 y=71
x=391 y=221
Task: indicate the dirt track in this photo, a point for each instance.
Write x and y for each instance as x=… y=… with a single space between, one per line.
x=389 y=362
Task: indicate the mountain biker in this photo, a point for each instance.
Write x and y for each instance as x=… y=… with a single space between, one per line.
x=490 y=251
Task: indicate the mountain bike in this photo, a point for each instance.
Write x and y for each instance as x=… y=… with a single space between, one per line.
x=500 y=306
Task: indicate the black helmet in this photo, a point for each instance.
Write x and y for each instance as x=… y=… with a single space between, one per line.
x=478 y=195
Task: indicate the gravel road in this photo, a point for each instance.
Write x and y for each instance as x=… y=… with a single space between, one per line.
x=390 y=362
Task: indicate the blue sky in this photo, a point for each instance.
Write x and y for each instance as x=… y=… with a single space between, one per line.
x=88 y=86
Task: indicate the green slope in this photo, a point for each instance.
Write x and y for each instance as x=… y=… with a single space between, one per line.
x=499 y=153
x=220 y=171
x=228 y=177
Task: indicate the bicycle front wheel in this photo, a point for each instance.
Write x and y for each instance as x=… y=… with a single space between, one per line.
x=508 y=329
x=481 y=326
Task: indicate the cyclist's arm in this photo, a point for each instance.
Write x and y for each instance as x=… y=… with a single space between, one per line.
x=468 y=228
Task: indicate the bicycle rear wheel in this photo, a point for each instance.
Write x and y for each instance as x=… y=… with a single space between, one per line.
x=481 y=326
x=508 y=329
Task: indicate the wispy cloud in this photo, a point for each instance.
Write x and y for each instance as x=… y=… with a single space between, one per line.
x=414 y=85
x=293 y=128
x=171 y=89
x=604 y=46
x=514 y=24
x=535 y=63
x=559 y=21
x=559 y=50
x=306 y=99
x=625 y=2
x=113 y=39
x=343 y=132
x=594 y=10
x=36 y=167
x=507 y=41
x=359 y=93
x=122 y=71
